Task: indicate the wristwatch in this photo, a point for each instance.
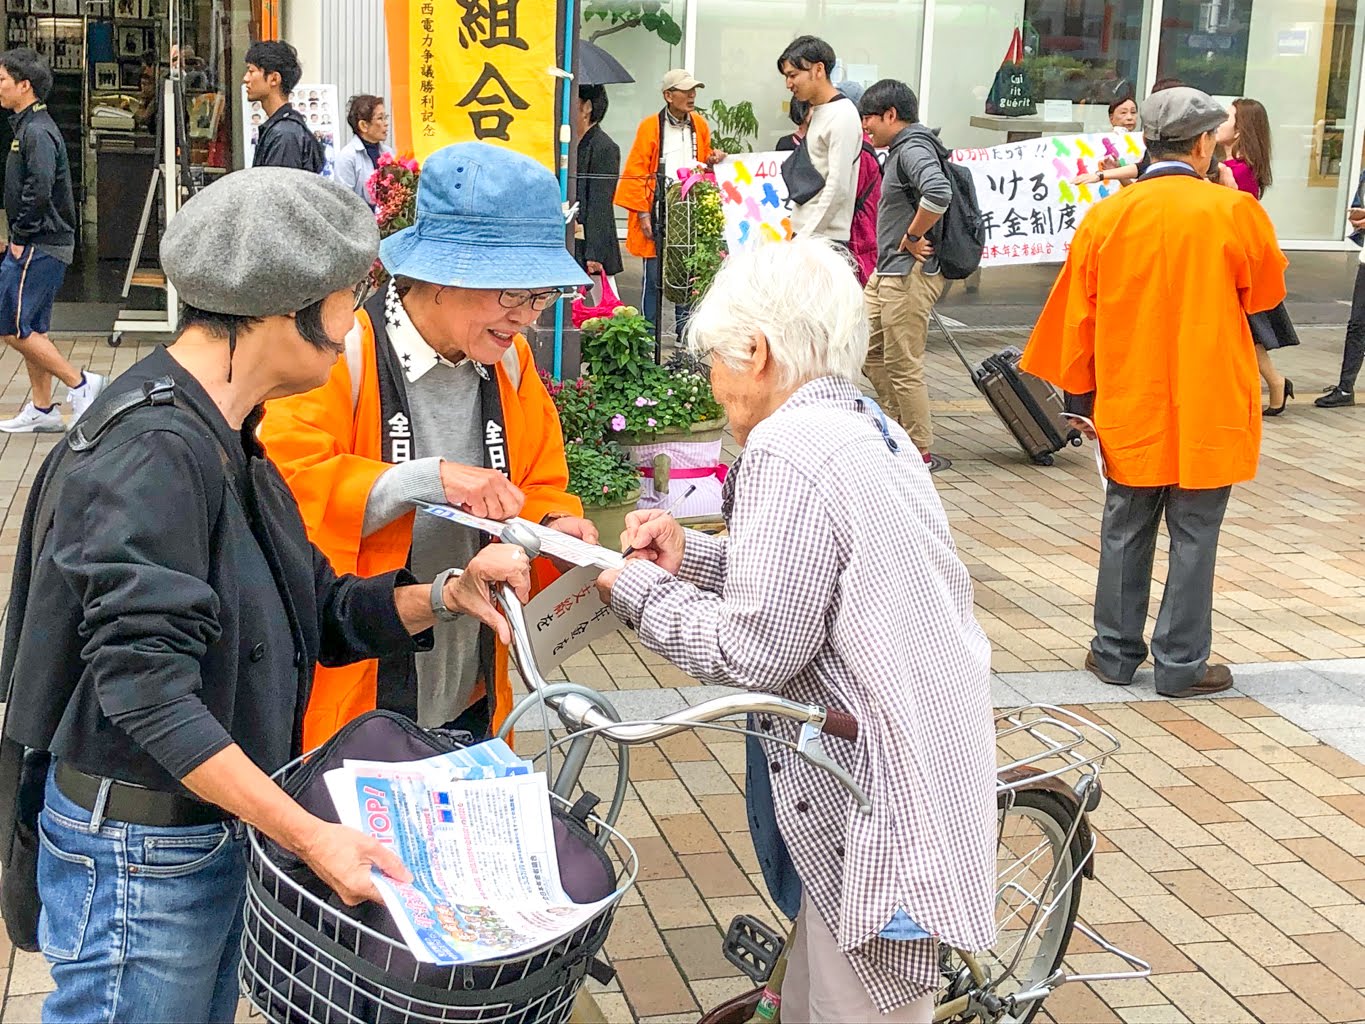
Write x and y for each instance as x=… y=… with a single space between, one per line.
x=438 y=601
x=912 y=239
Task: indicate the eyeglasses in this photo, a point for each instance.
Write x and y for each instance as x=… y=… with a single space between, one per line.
x=512 y=298
x=362 y=292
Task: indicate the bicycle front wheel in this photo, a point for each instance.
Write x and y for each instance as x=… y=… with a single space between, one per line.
x=1035 y=905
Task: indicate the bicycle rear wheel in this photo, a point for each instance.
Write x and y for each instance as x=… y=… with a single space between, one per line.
x=1034 y=828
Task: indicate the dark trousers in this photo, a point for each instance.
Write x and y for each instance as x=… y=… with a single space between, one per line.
x=653 y=296
x=1184 y=626
x=1354 y=353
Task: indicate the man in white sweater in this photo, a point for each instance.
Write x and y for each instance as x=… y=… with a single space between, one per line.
x=833 y=141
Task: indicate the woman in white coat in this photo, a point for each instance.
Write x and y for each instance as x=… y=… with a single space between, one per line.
x=370 y=123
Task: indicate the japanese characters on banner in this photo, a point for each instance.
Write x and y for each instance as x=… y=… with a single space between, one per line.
x=1028 y=202
x=477 y=70
x=753 y=198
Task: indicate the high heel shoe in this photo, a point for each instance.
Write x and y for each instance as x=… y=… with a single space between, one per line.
x=1288 y=394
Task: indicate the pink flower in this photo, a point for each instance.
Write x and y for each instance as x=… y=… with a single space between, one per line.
x=652 y=421
x=410 y=164
x=605 y=488
x=641 y=402
x=618 y=422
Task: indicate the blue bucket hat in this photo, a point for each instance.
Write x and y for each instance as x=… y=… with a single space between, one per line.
x=487 y=217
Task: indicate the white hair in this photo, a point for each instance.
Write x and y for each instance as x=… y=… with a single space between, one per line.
x=802 y=296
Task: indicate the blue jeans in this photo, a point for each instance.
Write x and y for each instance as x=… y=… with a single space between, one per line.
x=138 y=923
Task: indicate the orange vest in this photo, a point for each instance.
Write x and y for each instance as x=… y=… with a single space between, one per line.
x=635 y=190
x=327 y=446
x=1150 y=313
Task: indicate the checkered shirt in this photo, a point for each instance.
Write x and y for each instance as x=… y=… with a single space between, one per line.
x=839 y=585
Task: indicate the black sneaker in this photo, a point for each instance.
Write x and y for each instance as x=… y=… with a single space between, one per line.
x=1336 y=398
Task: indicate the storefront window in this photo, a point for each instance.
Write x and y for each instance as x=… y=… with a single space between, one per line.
x=1300 y=58
x=738 y=45
x=1083 y=51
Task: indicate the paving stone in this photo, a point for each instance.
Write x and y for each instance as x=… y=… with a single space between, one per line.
x=1232 y=969
x=1250 y=842
x=1174 y=826
x=1284 y=1008
x=705 y=778
x=1201 y=893
x=674 y=903
x=1080 y=1004
x=1201 y=1000
x=1199 y=805
x=1309 y=885
x=1166 y=1014
x=1273 y=820
x=1338 y=952
x=1328 y=858
x=1285 y=911
x=690 y=833
x=699 y=953
x=1231 y=870
x=29 y=975
x=1141 y=939
x=1342 y=831
x=23 y=1009
x=653 y=986
x=633 y=936
x=1148 y=849
x=1325 y=991
x=1268 y=946
x=1333 y=761
x=1350 y=919
x=1173 y=919
x=716 y=874
x=656 y=859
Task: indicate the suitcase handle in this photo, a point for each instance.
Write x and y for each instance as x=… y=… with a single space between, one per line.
x=973 y=371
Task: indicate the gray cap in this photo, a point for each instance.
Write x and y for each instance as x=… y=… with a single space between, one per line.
x=268 y=241
x=1174 y=115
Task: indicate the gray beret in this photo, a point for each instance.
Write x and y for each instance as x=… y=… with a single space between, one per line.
x=1175 y=115
x=268 y=241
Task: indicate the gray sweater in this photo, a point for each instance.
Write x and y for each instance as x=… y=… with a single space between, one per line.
x=913 y=178
x=834 y=142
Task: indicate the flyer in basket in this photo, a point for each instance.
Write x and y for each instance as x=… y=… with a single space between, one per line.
x=482 y=855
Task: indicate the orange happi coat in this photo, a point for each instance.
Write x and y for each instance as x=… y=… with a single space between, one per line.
x=1150 y=313
x=635 y=192
x=329 y=452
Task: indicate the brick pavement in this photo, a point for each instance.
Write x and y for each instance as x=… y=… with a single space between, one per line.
x=1232 y=849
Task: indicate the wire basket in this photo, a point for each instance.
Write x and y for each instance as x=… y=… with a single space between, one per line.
x=680 y=238
x=307 y=959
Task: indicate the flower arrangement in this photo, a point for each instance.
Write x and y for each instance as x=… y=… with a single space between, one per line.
x=639 y=396
x=393 y=190
x=708 y=238
x=599 y=471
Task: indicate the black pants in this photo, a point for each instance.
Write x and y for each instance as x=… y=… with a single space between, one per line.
x=1354 y=354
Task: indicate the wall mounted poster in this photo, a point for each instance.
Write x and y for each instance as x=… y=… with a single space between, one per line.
x=317 y=104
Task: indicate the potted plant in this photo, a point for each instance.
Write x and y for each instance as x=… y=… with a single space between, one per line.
x=393 y=190
x=601 y=474
x=665 y=417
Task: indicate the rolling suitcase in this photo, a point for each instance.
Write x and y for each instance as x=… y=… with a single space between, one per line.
x=1028 y=405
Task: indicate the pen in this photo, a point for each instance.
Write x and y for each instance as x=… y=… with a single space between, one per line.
x=665 y=507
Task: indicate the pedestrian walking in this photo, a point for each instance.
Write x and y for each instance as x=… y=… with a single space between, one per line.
x=369 y=121
x=915 y=194
x=822 y=175
x=862 y=240
x=599 y=172
x=674 y=139
x=1343 y=393
x=438 y=400
x=1146 y=329
x=167 y=611
x=42 y=243
x=1245 y=139
x=285 y=140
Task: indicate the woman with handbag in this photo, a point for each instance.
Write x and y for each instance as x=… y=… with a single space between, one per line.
x=596 y=246
x=1245 y=138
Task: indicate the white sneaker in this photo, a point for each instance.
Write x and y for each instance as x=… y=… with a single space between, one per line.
x=82 y=397
x=31 y=421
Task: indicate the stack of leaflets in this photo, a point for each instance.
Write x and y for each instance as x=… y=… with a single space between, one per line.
x=475 y=830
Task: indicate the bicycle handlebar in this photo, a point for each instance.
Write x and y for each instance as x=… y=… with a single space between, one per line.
x=578 y=713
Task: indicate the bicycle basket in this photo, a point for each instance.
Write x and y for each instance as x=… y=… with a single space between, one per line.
x=307 y=958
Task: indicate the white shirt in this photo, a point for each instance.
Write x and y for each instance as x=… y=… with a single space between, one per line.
x=412 y=349
x=676 y=146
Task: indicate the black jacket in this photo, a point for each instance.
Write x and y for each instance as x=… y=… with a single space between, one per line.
x=286 y=141
x=599 y=168
x=38 y=199
x=177 y=605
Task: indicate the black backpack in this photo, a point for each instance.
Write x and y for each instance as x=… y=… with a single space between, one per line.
x=963 y=233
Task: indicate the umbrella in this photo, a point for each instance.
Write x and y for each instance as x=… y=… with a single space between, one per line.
x=597 y=67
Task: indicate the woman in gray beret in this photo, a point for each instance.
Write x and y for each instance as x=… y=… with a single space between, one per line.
x=170 y=610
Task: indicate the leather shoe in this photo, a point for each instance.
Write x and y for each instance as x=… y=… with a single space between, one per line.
x=1216 y=679
x=1336 y=398
x=1093 y=668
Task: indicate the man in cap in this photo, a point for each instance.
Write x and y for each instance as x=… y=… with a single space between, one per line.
x=438 y=400
x=1146 y=329
x=167 y=611
x=675 y=139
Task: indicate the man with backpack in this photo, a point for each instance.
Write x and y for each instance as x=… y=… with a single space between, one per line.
x=917 y=192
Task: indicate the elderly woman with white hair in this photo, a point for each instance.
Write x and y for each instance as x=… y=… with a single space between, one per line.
x=838 y=585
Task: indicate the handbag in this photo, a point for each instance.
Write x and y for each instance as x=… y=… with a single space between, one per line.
x=580 y=313
x=1011 y=93
x=804 y=182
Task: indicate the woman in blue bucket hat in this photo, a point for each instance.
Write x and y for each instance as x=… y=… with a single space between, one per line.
x=438 y=400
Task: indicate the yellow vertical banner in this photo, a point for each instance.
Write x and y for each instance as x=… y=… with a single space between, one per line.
x=479 y=70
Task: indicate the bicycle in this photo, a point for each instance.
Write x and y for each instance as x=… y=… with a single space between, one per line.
x=1045 y=842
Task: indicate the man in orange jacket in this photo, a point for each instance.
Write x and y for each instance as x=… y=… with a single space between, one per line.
x=674 y=139
x=437 y=400
x=1146 y=329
